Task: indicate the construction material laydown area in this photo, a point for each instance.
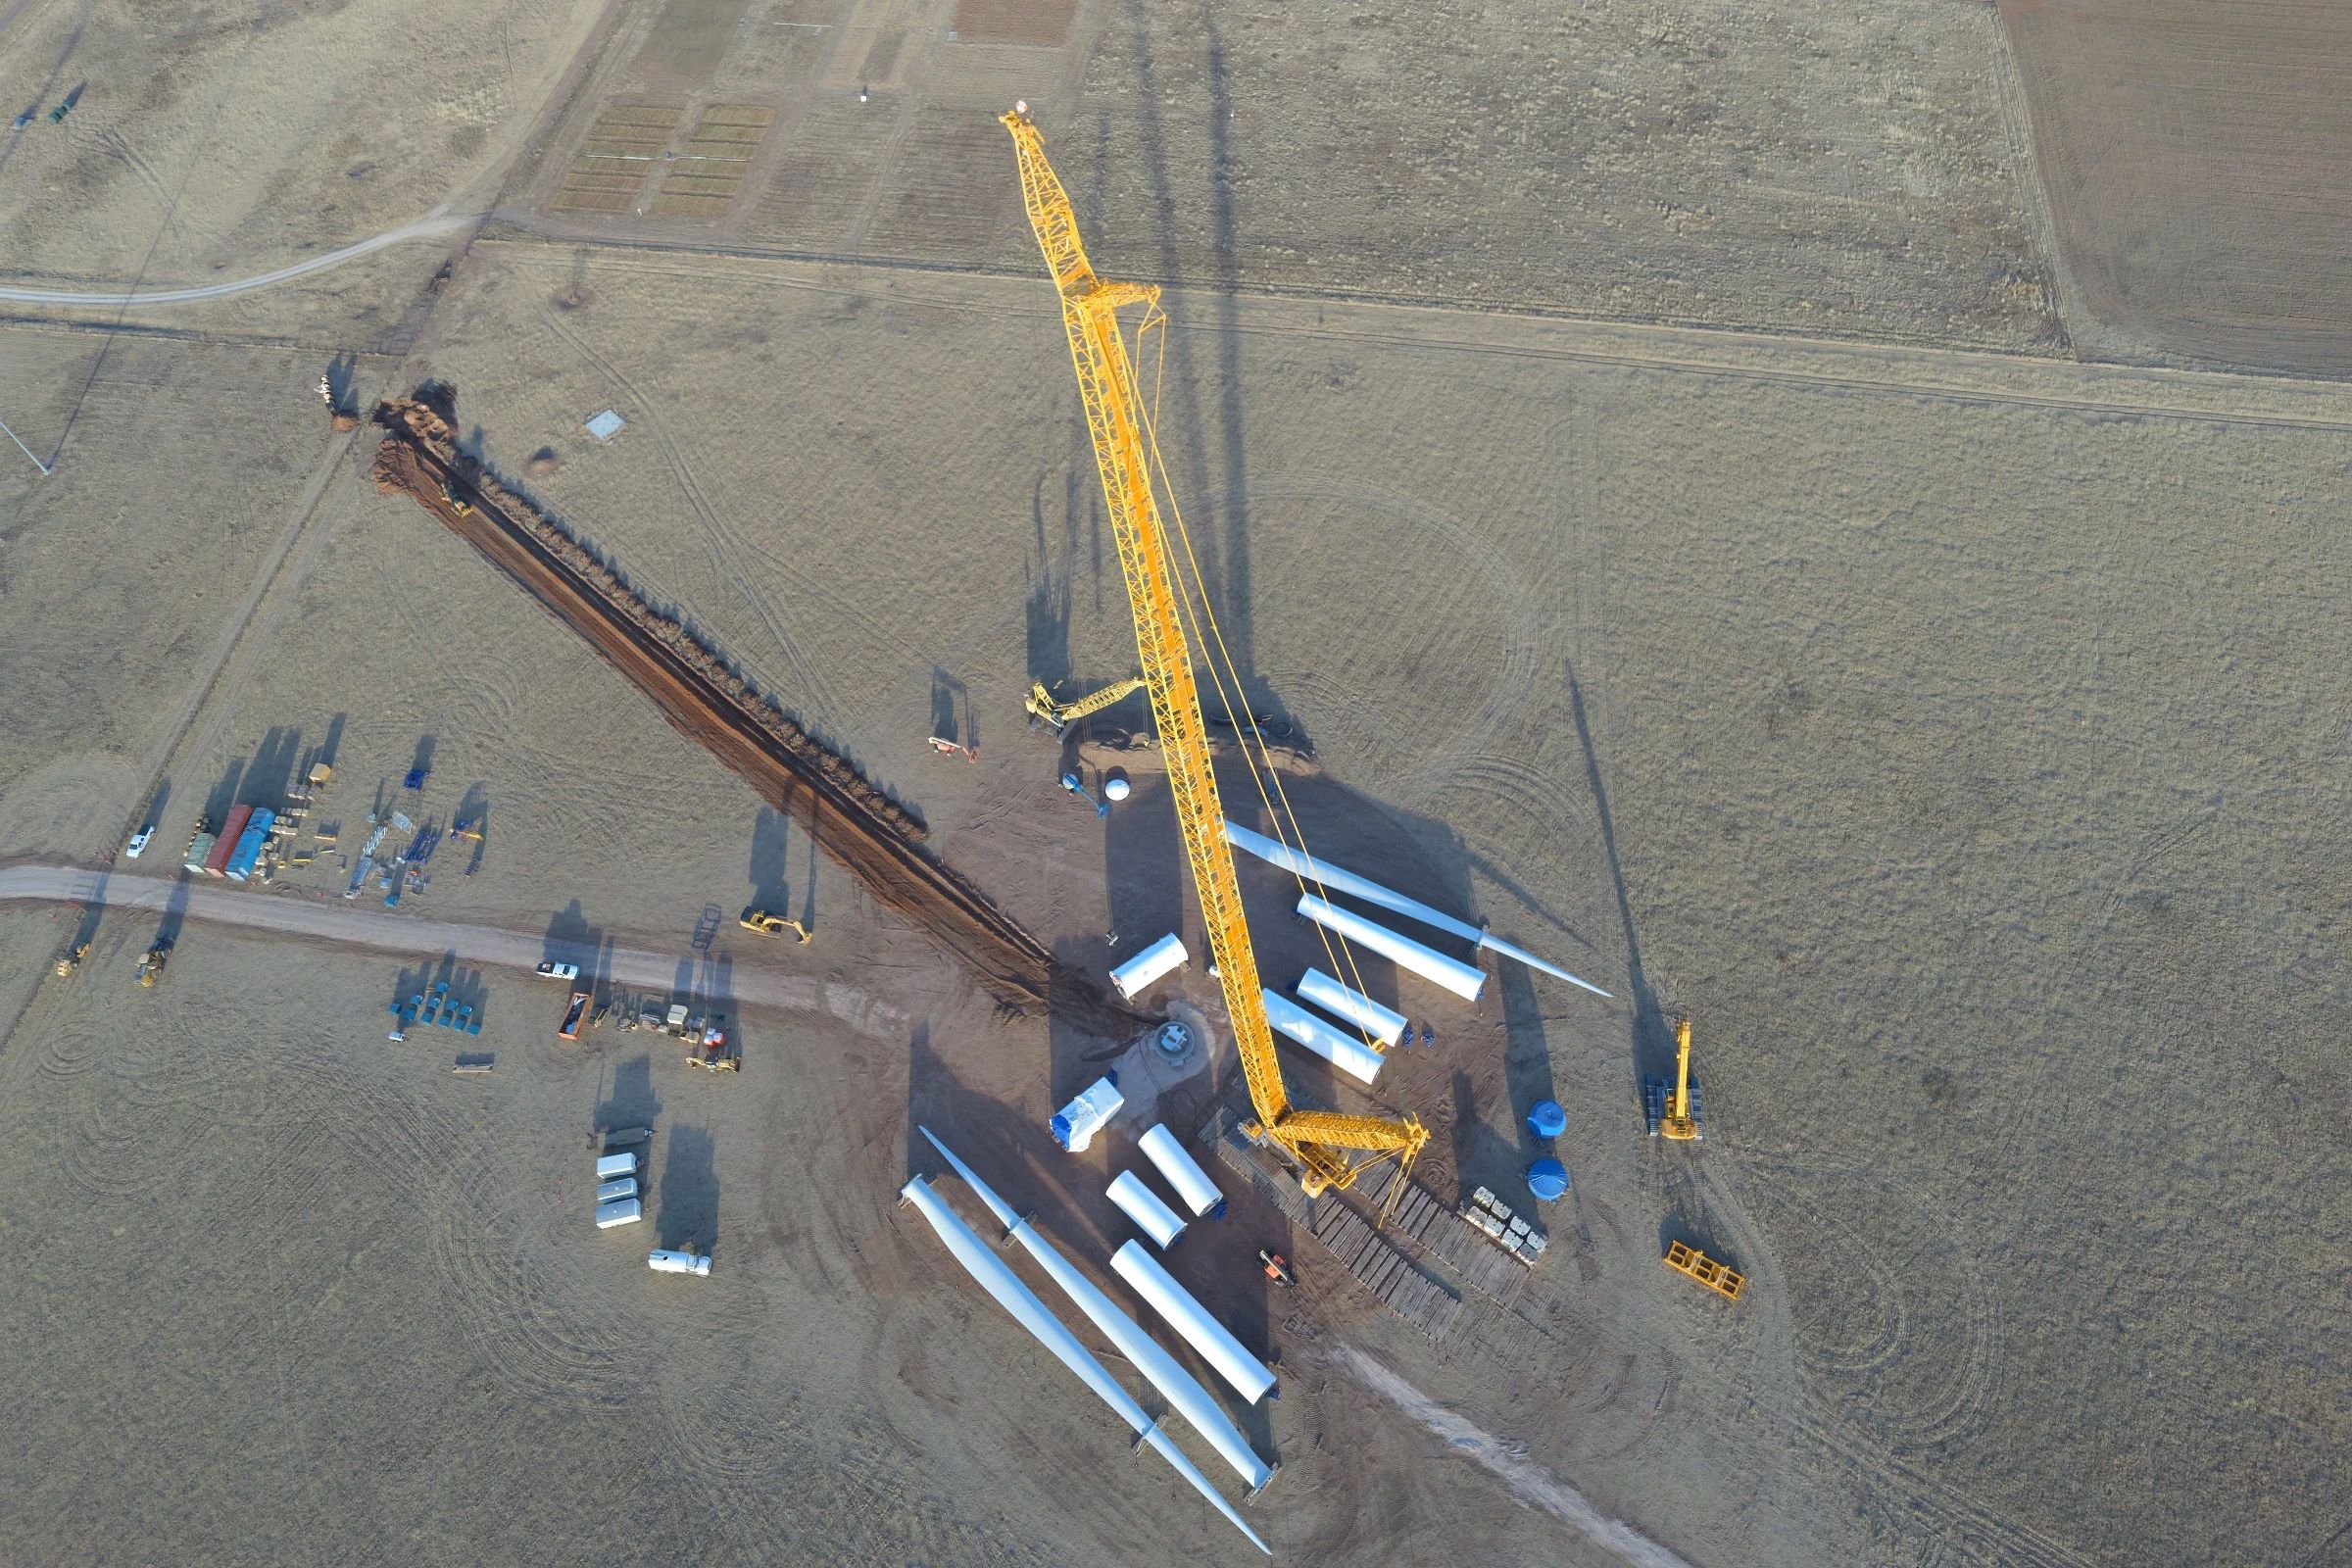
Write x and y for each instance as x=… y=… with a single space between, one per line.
x=710 y=702
x=1510 y=785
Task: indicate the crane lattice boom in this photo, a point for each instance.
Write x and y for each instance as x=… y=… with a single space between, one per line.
x=1319 y=1140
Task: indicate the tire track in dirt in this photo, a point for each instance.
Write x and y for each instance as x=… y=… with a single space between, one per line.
x=816 y=691
x=1900 y=1504
x=1908 y=1328
x=518 y=1289
x=157 y=1101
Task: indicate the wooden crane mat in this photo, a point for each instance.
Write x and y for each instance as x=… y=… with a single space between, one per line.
x=1387 y=1272
x=1424 y=1219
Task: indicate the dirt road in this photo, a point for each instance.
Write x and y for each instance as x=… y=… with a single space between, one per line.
x=424 y=228
x=353 y=926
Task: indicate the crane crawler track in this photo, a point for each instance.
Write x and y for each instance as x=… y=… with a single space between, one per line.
x=868 y=834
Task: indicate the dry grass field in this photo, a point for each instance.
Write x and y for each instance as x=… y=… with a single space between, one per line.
x=1955 y=736
x=2196 y=160
x=1811 y=170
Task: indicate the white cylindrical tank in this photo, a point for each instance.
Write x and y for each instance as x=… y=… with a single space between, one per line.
x=1141 y=1204
x=612 y=1166
x=1135 y=976
x=665 y=1263
x=614 y=1192
x=1248 y=1375
x=1427 y=962
x=1342 y=1050
x=624 y=1212
x=1074 y=1125
x=1384 y=1024
x=1183 y=1172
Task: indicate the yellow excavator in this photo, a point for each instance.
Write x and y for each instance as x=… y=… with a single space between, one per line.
x=1674 y=1112
x=1328 y=1149
x=1058 y=717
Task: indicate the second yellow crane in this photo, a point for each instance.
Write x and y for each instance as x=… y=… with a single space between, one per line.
x=1328 y=1147
x=1060 y=715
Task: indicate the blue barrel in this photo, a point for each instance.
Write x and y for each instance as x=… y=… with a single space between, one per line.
x=1547 y=1179
x=1548 y=1120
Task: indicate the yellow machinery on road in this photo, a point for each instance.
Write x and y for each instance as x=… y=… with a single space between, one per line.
x=1330 y=1148
x=1058 y=715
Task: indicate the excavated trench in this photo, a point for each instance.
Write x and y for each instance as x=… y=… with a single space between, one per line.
x=869 y=834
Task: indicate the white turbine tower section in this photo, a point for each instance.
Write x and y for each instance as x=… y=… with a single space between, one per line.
x=1342 y=1050
x=1152 y=1215
x=1137 y=973
x=1384 y=1024
x=1344 y=881
x=1178 y=1387
x=1184 y=1173
x=1462 y=979
x=996 y=1277
x=1250 y=1376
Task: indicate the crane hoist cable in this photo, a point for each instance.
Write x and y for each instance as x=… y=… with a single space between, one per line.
x=1330 y=1148
x=1225 y=677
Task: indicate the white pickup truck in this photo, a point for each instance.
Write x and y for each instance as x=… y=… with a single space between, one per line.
x=552 y=971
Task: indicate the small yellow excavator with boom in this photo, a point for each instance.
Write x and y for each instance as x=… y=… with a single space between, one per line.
x=1328 y=1149
x=1058 y=717
x=773 y=925
x=1674 y=1112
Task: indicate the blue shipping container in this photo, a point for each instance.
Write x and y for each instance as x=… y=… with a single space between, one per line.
x=248 y=853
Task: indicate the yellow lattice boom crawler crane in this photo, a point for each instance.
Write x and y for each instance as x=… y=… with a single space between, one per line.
x=1040 y=703
x=1328 y=1147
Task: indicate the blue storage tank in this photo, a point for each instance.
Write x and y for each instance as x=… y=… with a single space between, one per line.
x=1548 y=1120
x=1547 y=1179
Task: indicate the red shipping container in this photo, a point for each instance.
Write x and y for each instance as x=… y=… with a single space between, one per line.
x=217 y=862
